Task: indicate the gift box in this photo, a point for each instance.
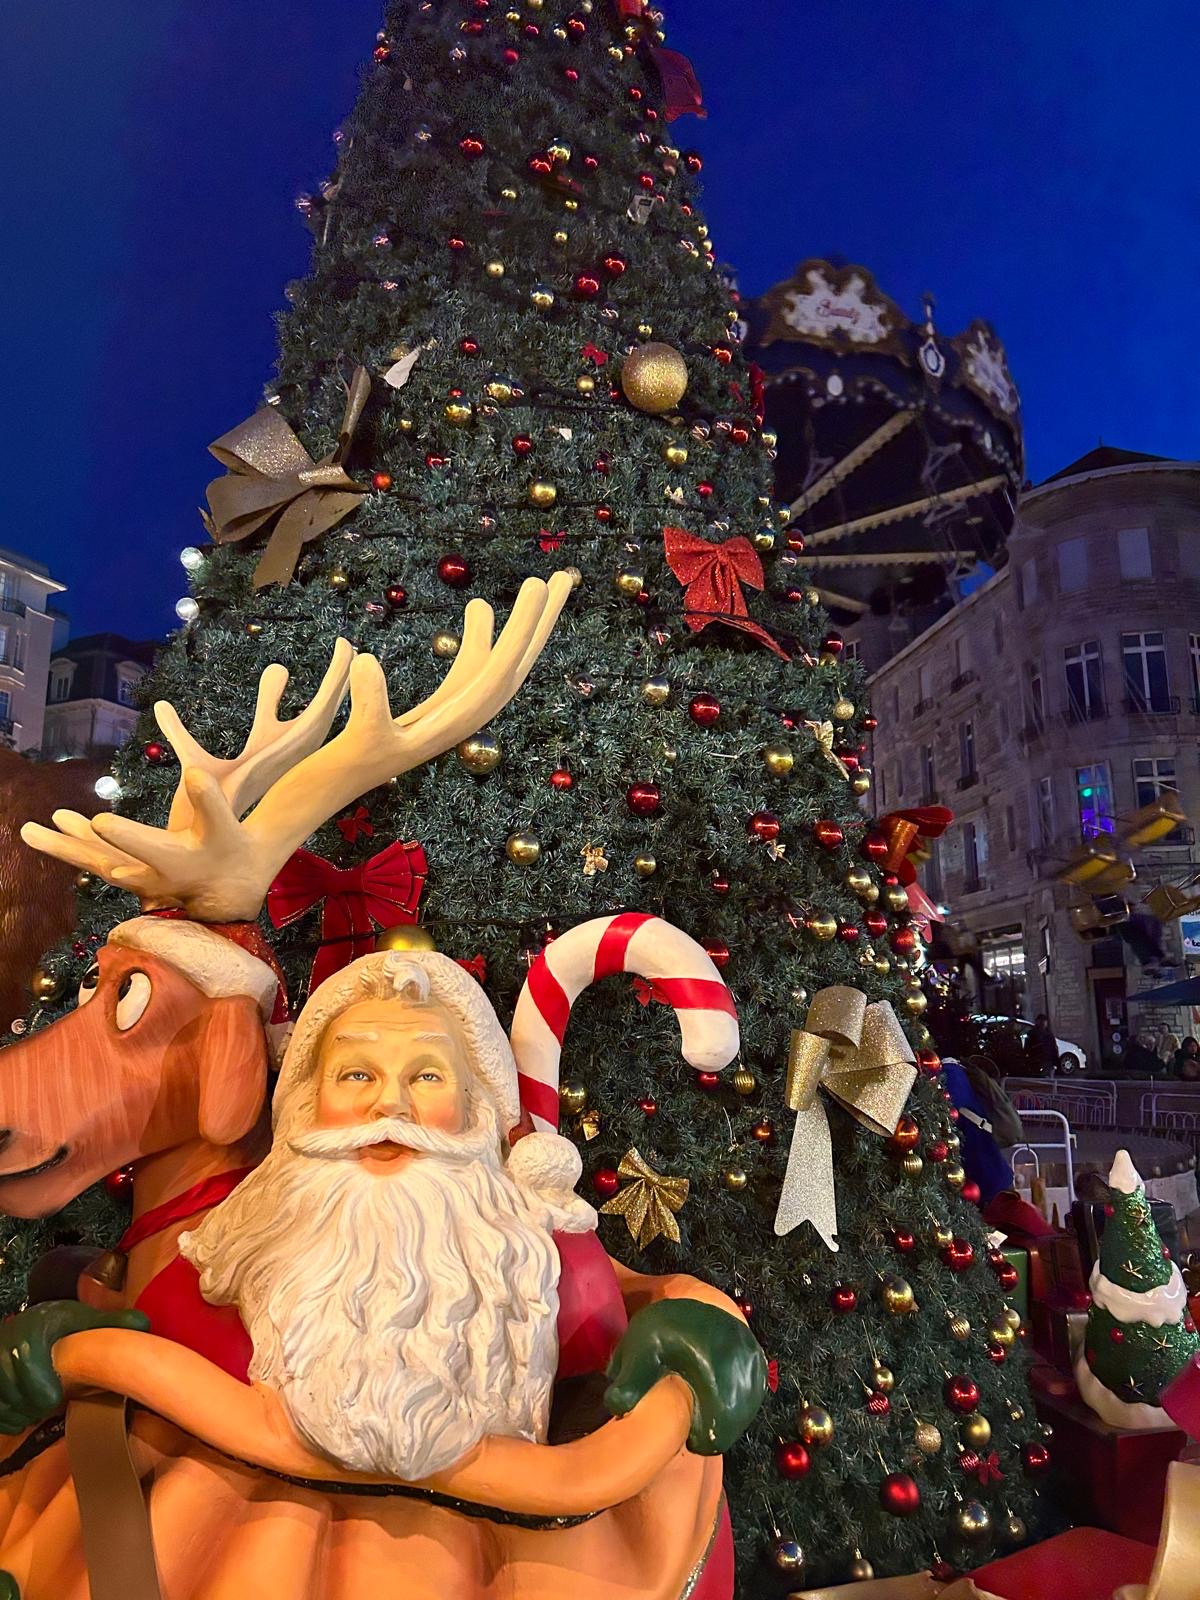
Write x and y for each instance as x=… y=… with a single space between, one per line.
x=1108 y=1477
x=1017 y=1257
x=1058 y=1325
x=1082 y=1564
x=1056 y=1267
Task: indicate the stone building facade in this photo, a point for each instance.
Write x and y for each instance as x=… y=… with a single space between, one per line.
x=1060 y=696
x=27 y=628
x=92 y=703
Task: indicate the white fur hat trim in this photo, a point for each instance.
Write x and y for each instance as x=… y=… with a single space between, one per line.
x=216 y=965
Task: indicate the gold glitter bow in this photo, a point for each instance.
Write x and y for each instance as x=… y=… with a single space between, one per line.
x=858 y=1054
x=271 y=475
x=650 y=1202
x=822 y=732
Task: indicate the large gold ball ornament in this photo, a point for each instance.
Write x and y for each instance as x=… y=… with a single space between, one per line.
x=406 y=424
x=654 y=378
x=954 y=1176
x=560 y=237
x=815 y=1426
x=778 y=760
x=860 y=1569
x=734 y=1179
x=915 y=1002
x=927 y=1438
x=445 y=645
x=843 y=710
x=458 y=412
x=1014 y=1529
x=656 y=691
x=1000 y=1333
x=859 y=880
x=960 y=1327
x=675 y=455
x=882 y=966
x=812 y=597
x=895 y=897
x=406 y=936
x=501 y=389
x=860 y=782
x=645 y=866
x=480 y=754
x=897 y=1296
x=973 y=1522
x=494 y=269
x=572 y=1097
x=744 y=1082
x=975 y=1431
x=542 y=494
x=46 y=986
x=822 y=925
x=628 y=582
x=523 y=848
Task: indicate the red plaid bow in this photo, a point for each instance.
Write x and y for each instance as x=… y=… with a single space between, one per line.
x=383 y=890
x=712 y=576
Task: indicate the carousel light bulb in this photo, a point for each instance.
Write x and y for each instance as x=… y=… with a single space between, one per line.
x=191 y=559
x=187 y=609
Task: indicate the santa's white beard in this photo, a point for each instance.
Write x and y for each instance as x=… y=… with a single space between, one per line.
x=402 y=1317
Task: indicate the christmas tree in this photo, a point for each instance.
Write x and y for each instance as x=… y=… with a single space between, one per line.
x=513 y=355
x=1139 y=1332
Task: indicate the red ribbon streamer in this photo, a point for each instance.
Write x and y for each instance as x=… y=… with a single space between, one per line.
x=682 y=95
x=384 y=890
x=201 y=1196
x=897 y=827
x=712 y=576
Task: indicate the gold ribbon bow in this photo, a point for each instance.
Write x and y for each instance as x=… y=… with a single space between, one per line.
x=858 y=1054
x=271 y=475
x=822 y=732
x=650 y=1202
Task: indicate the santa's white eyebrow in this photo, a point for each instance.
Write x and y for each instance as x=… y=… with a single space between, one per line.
x=364 y=1033
x=431 y=1038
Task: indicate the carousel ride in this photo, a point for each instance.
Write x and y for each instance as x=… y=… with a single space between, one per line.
x=899 y=449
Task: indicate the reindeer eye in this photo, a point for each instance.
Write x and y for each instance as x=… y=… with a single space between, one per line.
x=88 y=986
x=133 y=997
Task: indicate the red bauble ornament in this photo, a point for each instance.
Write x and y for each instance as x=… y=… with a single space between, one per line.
x=961 y=1393
x=763 y=1131
x=704 y=710
x=154 y=751
x=899 y=1494
x=601 y=463
x=643 y=799
x=878 y=1405
x=739 y=431
x=970 y=1192
x=576 y=26
x=1035 y=1459
x=1007 y=1276
x=870 y=724
x=586 y=285
x=744 y=1305
x=396 y=595
x=929 y=1062
x=792 y=1459
x=795 y=542
x=433 y=459
x=763 y=825
x=646 y=181
x=907 y=1135
x=904 y=1241
x=561 y=778
x=904 y=941
x=719 y=884
x=541 y=164
x=959 y=1254
x=848 y=932
x=968 y=1462
x=456 y=243
x=1117 y=1335
x=382 y=52
x=704 y=489
x=531 y=30
x=708 y=1081
x=875 y=922
x=606 y=1182
x=571 y=74
x=717 y=950
x=938 y=1151
x=847 y=757
x=603 y=514
x=522 y=444
x=381 y=480
x=470 y=146
x=510 y=57
x=454 y=571
x=874 y=846
x=590 y=163
x=648 y=1105
x=833 y=642
x=614 y=264
x=828 y=834
x=843 y=1298
x=692 y=161
x=793 y=596
x=119 y=1184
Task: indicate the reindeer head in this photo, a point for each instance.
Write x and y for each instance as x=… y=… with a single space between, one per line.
x=168 y=1043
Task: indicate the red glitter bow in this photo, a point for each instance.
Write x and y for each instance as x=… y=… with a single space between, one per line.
x=988 y=1470
x=647 y=989
x=712 y=576
x=383 y=890
x=682 y=94
x=475 y=965
x=593 y=353
x=359 y=821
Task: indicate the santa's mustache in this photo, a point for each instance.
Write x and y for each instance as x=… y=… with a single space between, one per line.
x=330 y=1144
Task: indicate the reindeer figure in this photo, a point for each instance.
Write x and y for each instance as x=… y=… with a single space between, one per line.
x=164 y=1062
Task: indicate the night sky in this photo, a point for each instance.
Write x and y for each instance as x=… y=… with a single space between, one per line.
x=1033 y=163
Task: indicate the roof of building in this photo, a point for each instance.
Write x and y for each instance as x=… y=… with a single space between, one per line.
x=1100 y=459
x=96 y=656
x=36 y=569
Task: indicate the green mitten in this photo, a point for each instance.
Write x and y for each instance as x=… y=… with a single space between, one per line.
x=713 y=1352
x=29 y=1386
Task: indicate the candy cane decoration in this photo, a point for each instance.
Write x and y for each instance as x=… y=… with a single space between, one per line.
x=679 y=969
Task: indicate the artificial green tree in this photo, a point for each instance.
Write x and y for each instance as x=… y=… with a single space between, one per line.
x=510 y=217
x=1139 y=1331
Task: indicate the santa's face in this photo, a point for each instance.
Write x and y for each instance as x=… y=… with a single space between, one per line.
x=381 y=1062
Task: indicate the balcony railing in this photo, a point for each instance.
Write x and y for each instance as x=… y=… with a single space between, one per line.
x=922 y=706
x=13 y=608
x=963 y=679
x=967 y=779
x=1163 y=705
x=1093 y=711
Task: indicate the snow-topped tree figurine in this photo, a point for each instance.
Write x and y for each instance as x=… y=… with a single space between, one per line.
x=1139 y=1333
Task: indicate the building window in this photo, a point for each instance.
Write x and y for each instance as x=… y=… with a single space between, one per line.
x=19 y=650
x=1153 y=776
x=125 y=689
x=998 y=633
x=1093 y=789
x=962 y=655
x=883 y=786
x=60 y=686
x=5 y=709
x=850 y=650
x=895 y=704
x=974 y=855
x=8 y=590
x=1010 y=828
x=4 y=661
x=1072 y=566
x=1133 y=546
x=1194 y=655
x=931 y=872
x=1003 y=958
x=928 y=779
x=1144 y=657
x=1045 y=812
x=924 y=685
x=966 y=750
x=1029 y=585
x=1037 y=695
x=1085 y=683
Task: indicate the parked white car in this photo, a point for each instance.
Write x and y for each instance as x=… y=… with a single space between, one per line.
x=1071 y=1057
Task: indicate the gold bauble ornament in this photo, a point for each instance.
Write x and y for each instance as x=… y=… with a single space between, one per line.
x=508 y=193
x=85 y=881
x=559 y=149
x=406 y=424
x=959 y=1328
x=915 y=1002
x=883 y=1378
x=744 y=1081
x=523 y=848
x=541 y=297
x=895 y=897
x=859 y=880
x=407 y=936
x=570 y=205
x=734 y=1179
x=645 y=866
x=585 y=383
x=46 y=986
x=458 y=412
x=494 y=269
x=339 y=580
x=897 y=1296
x=1012 y=1316
x=654 y=378
x=778 y=760
x=560 y=237
x=815 y=1426
x=913 y=1165
x=943 y=1236
x=629 y=582
x=445 y=645
x=1016 y=1414
x=843 y=710
x=999 y=1332
x=575 y=576
x=882 y=966
x=1014 y=1530
x=572 y=1097
x=822 y=925
x=656 y=691
x=480 y=753
x=954 y=1176
x=644 y=329
x=927 y=1438
x=860 y=1569
x=975 y=1431
x=812 y=597
x=503 y=390
x=860 y=782
x=871 y=895
x=973 y=1522
x=674 y=454
x=253 y=629
x=764 y=540
x=543 y=495
x=953 y=1143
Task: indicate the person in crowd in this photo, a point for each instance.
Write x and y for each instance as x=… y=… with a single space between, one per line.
x=1041 y=1046
x=1142 y=1059
x=1168 y=1047
x=1187 y=1060
x=975 y=1094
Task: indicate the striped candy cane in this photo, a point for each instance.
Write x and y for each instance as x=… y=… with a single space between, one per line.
x=679 y=968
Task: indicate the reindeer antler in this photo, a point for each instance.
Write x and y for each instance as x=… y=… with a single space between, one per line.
x=218 y=867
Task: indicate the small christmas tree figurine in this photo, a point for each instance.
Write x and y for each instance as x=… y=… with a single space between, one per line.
x=1139 y=1333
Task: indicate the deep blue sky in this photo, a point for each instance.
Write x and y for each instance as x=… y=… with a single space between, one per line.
x=1032 y=162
